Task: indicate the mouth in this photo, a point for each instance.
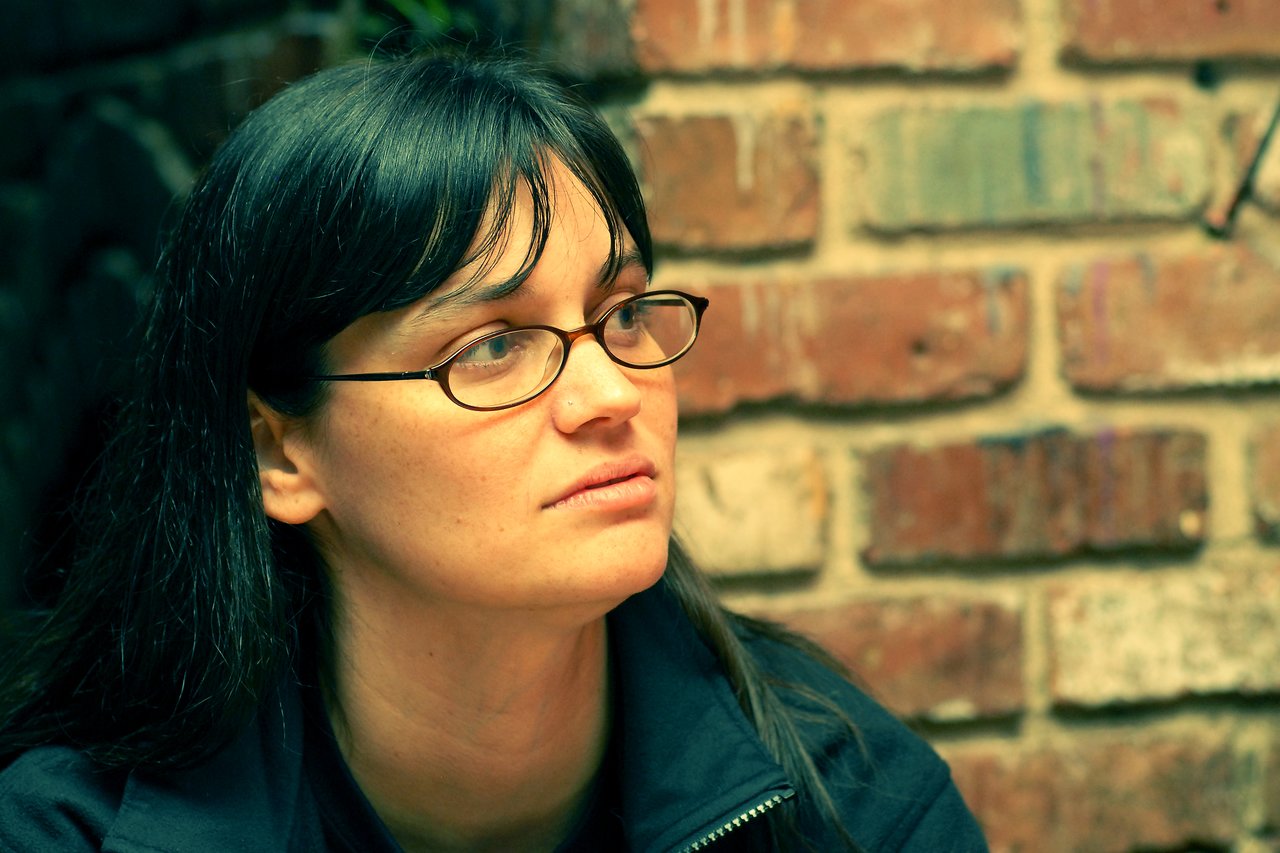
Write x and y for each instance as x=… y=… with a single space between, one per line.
x=623 y=484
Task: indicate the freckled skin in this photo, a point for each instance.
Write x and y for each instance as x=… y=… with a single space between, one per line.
x=429 y=505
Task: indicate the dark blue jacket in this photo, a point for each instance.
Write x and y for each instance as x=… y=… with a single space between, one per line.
x=692 y=771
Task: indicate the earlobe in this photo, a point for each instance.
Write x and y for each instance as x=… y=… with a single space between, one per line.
x=289 y=489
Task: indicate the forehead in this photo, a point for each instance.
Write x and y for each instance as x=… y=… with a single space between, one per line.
x=561 y=225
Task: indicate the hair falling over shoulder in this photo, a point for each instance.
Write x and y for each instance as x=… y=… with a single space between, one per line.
x=356 y=190
x=359 y=189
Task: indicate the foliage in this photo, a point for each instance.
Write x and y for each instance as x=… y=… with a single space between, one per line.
x=404 y=25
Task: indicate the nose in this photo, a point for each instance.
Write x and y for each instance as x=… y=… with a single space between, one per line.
x=592 y=389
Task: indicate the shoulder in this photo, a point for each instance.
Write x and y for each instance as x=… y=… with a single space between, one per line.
x=54 y=798
x=894 y=791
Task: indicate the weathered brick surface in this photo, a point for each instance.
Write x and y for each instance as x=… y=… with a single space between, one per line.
x=17 y=341
x=903 y=338
x=15 y=503
x=111 y=179
x=754 y=512
x=822 y=35
x=592 y=37
x=1269 y=815
x=1266 y=180
x=294 y=52
x=1145 y=639
x=207 y=89
x=45 y=34
x=1104 y=794
x=1042 y=495
x=1246 y=136
x=32 y=107
x=1142 y=323
x=42 y=34
x=731 y=182
x=1125 y=31
x=935 y=658
x=198 y=120
x=1264 y=472
x=927 y=168
x=23 y=212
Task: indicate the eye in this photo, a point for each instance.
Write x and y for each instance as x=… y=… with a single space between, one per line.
x=631 y=316
x=652 y=329
x=492 y=351
x=627 y=323
x=508 y=366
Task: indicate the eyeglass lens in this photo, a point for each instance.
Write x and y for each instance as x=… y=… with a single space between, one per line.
x=519 y=364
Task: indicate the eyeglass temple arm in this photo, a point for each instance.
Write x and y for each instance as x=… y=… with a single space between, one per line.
x=380 y=377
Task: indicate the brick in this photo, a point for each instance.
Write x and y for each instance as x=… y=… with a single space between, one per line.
x=893 y=339
x=1165 y=636
x=111 y=180
x=1246 y=134
x=825 y=35
x=192 y=100
x=294 y=53
x=1139 y=323
x=1266 y=180
x=15 y=510
x=590 y=38
x=1264 y=472
x=731 y=182
x=1048 y=494
x=926 y=658
x=753 y=512
x=35 y=106
x=23 y=216
x=1123 y=31
x=18 y=335
x=988 y=166
x=101 y=310
x=1102 y=794
x=40 y=34
x=221 y=12
x=1270 y=783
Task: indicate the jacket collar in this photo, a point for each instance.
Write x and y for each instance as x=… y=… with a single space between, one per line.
x=690 y=761
x=247 y=797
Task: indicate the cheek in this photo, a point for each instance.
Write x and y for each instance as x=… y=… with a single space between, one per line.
x=661 y=403
x=409 y=463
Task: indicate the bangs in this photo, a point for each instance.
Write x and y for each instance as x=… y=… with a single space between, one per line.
x=495 y=232
x=383 y=180
x=440 y=196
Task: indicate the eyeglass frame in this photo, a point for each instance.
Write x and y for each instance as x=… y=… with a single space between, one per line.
x=439 y=372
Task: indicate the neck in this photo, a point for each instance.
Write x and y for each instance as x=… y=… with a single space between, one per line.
x=472 y=733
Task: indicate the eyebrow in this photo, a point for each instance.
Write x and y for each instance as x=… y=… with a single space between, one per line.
x=466 y=296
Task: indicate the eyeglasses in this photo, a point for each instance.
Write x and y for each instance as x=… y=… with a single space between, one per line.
x=504 y=369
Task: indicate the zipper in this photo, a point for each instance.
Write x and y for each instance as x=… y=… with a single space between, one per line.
x=729 y=826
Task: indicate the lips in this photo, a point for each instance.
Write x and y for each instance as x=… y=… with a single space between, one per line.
x=623 y=481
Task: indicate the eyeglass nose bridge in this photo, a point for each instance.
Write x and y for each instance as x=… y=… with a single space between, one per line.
x=595 y=329
x=569 y=336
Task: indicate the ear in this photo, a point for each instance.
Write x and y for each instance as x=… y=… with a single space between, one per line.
x=289 y=490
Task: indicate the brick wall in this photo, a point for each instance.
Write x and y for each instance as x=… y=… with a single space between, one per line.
x=980 y=404
x=108 y=109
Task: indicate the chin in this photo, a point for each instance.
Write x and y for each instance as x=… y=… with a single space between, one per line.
x=632 y=569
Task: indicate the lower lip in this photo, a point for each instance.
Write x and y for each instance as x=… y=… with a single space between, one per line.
x=631 y=493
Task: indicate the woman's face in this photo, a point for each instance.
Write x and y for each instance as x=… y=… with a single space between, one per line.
x=422 y=500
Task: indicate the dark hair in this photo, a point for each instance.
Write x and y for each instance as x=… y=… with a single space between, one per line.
x=357 y=190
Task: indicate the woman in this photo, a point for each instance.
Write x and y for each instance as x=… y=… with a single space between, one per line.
x=381 y=556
